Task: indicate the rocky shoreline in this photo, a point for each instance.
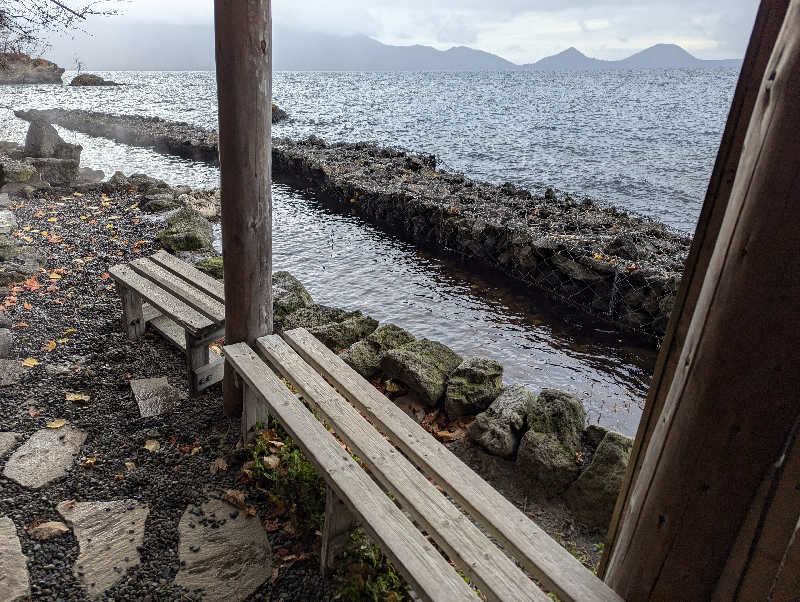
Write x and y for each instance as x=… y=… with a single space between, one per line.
x=620 y=268
x=18 y=68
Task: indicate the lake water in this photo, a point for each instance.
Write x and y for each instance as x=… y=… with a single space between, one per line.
x=645 y=141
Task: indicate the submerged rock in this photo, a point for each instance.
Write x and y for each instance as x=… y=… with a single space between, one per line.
x=187 y=230
x=278 y=114
x=365 y=356
x=90 y=79
x=474 y=385
x=593 y=495
x=498 y=430
x=422 y=365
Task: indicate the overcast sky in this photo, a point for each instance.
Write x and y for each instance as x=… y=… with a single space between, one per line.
x=519 y=30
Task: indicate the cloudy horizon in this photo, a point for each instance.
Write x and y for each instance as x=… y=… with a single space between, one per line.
x=517 y=30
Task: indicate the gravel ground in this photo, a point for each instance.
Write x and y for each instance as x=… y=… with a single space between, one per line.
x=76 y=307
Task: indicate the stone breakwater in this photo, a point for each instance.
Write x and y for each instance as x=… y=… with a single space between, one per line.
x=621 y=268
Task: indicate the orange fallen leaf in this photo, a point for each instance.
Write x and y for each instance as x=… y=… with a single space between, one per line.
x=31 y=284
x=49 y=346
x=20 y=325
x=27 y=306
x=105 y=276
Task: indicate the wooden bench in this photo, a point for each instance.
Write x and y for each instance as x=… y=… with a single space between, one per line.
x=179 y=301
x=407 y=461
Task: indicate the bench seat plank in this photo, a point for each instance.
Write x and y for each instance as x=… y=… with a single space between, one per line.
x=413 y=556
x=187 y=293
x=550 y=563
x=211 y=286
x=165 y=302
x=494 y=573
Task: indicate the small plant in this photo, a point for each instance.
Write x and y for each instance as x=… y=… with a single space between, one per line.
x=367 y=574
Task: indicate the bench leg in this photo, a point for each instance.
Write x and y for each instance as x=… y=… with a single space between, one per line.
x=132 y=318
x=336 y=530
x=197 y=355
x=253 y=413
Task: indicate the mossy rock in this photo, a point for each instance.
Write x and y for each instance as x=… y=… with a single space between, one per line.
x=474 y=385
x=498 y=429
x=559 y=413
x=340 y=335
x=288 y=295
x=422 y=365
x=187 y=230
x=365 y=356
x=211 y=266
x=158 y=203
x=546 y=462
x=593 y=495
x=15 y=172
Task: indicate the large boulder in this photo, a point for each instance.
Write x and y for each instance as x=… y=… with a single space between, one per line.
x=593 y=495
x=550 y=452
x=43 y=141
x=14 y=171
x=365 y=356
x=54 y=170
x=474 y=385
x=278 y=114
x=288 y=293
x=17 y=261
x=18 y=68
x=498 y=429
x=424 y=366
x=338 y=336
x=207 y=202
x=90 y=79
x=187 y=230
x=312 y=316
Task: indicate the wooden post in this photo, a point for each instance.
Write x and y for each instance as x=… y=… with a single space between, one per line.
x=765 y=31
x=694 y=524
x=244 y=90
x=132 y=316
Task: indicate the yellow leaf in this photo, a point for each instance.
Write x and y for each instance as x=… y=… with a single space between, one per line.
x=26 y=228
x=49 y=346
x=52 y=219
x=69 y=331
x=62 y=341
x=152 y=445
x=56 y=424
x=44 y=232
x=30 y=362
x=54 y=276
x=89 y=462
x=80 y=398
x=130 y=465
x=84 y=217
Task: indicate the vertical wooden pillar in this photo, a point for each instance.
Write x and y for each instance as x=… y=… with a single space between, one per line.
x=694 y=524
x=244 y=89
x=768 y=22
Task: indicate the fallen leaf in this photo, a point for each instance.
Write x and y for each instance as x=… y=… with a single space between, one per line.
x=272 y=461
x=218 y=465
x=152 y=445
x=54 y=276
x=30 y=362
x=20 y=325
x=130 y=465
x=105 y=276
x=68 y=505
x=56 y=424
x=31 y=283
x=52 y=219
x=119 y=477
x=27 y=306
x=69 y=331
x=235 y=498
x=62 y=341
x=196 y=450
x=33 y=412
x=89 y=462
x=79 y=398
x=49 y=346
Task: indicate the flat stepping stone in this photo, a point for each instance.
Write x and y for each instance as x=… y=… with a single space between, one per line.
x=11 y=372
x=45 y=456
x=14 y=580
x=8 y=223
x=108 y=535
x=8 y=441
x=155 y=395
x=226 y=563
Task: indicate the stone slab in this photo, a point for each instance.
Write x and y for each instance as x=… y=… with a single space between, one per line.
x=11 y=372
x=8 y=223
x=45 y=456
x=5 y=201
x=108 y=535
x=8 y=441
x=155 y=396
x=6 y=342
x=228 y=562
x=14 y=580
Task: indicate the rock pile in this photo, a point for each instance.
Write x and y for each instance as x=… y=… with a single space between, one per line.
x=18 y=68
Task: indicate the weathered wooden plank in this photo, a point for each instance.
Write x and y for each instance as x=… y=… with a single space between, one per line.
x=413 y=556
x=209 y=375
x=169 y=330
x=132 y=319
x=166 y=303
x=197 y=356
x=187 y=293
x=335 y=531
x=767 y=24
x=243 y=35
x=210 y=286
x=731 y=406
x=149 y=312
x=485 y=564
x=556 y=568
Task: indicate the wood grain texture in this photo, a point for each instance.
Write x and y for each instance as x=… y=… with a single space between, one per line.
x=410 y=552
x=484 y=563
x=335 y=531
x=551 y=564
x=731 y=407
x=767 y=25
x=172 y=283
x=166 y=303
x=210 y=286
x=133 y=320
x=244 y=91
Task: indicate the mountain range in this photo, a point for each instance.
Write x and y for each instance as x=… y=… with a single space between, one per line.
x=118 y=47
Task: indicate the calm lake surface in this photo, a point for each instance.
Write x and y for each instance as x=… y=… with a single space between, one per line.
x=643 y=140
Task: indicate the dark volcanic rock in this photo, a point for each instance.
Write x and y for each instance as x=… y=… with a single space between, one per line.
x=18 y=68
x=90 y=79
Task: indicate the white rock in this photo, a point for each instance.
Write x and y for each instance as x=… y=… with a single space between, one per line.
x=14 y=581
x=8 y=441
x=107 y=548
x=227 y=563
x=45 y=456
x=8 y=222
x=48 y=530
